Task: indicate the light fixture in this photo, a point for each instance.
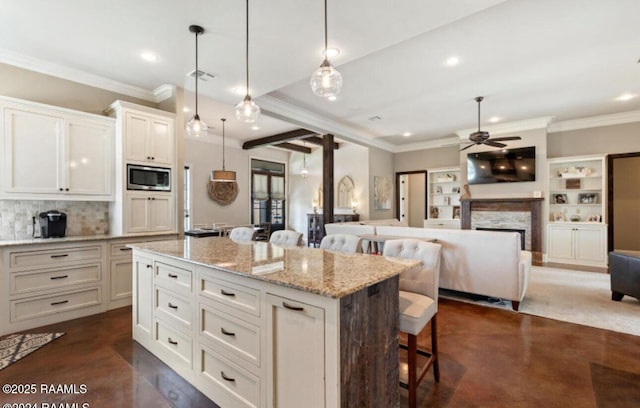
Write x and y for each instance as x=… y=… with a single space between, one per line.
x=326 y=81
x=625 y=97
x=304 y=171
x=452 y=61
x=196 y=127
x=247 y=110
x=223 y=175
x=149 y=56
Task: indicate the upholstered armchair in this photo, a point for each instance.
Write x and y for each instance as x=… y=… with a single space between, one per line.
x=286 y=237
x=242 y=234
x=341 y=243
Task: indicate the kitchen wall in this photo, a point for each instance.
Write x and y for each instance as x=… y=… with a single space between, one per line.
x=381 y=165
x=83 y=218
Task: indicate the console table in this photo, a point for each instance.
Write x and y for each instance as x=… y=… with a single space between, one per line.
x=315 y=226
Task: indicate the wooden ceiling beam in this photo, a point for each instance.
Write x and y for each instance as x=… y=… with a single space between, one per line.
x=318 y=141
x=277 y=139
x=294 y=147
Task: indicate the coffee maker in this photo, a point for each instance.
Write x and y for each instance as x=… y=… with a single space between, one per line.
x=53 y=224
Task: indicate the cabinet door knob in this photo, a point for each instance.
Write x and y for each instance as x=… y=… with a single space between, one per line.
x=296 y=308
x=149 y=266
x=66 y=189
x=153 y=158
x=60 y=189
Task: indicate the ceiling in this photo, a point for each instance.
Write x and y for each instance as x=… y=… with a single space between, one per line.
x=565 y=59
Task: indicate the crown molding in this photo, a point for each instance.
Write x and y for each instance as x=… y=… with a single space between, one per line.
x=75 y=75
x=510 y=127
x=293 y=114
x=595 y=121
x=429 y=144
x=163 y=92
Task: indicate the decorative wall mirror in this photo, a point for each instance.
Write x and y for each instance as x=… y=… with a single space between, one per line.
x=345 y=192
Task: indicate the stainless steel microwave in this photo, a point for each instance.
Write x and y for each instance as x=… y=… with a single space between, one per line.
x=148 y=178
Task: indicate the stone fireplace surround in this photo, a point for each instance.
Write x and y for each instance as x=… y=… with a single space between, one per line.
x=507 y=213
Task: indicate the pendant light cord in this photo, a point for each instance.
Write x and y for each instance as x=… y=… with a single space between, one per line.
x=196 y=74
x=223 y=120
x=247 y=49
x=325 y=30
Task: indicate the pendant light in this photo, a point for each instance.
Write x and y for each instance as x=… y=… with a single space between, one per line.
x=224 y=175
x=247 y=111
x=326 y=81
x=304 y=171
x=196 y=127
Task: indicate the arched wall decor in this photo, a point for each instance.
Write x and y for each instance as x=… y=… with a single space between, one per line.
x=222 y=192
x=345 y=192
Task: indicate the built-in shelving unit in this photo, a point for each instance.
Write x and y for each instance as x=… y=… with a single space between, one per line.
x=576 y=232
x=443 y=187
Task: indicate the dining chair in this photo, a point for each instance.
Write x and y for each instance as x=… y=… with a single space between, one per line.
x=342 y=243
x=242 y=234
x=418 y=306
x=286 y=237
x=265 y=232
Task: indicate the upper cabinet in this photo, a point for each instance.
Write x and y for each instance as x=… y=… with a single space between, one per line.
x=443 y=196
x=149 y=139
x=55 y=153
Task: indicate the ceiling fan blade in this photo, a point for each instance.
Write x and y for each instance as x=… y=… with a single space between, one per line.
x=494 y=144
x=465 y=148
x=506 y=138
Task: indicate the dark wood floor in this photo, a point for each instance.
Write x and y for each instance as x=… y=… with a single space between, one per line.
x=489 y=358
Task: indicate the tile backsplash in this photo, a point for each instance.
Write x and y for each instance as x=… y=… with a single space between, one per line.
x=83 y=217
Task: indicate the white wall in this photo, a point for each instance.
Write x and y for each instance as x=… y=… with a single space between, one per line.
x=203 y=157
x=381 y=165
x=349 y=160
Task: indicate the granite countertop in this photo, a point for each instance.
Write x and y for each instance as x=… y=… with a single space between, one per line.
x=327 y=273
x=78 y=238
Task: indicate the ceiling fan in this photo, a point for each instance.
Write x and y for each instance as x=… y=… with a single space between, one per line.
x=481 y=137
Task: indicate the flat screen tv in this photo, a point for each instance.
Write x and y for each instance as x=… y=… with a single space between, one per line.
x=502 y=166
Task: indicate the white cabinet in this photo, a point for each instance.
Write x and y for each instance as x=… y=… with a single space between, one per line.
x=295 y=346
x=146 y=212
x=576 y=231
x=577 y=244
x=443 y=195
x=149 y=138
x=142 y=304
x=53 y=153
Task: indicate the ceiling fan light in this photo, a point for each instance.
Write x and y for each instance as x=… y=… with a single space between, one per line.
x=326 y=81
x=196 y=127
x=247 y=111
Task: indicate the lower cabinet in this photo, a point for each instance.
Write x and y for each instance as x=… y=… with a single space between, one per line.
x=147 y=212
x=577 y=244
x=142 y=302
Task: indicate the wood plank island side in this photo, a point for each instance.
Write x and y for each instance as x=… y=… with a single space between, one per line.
x=532 y=205
x=357 y=344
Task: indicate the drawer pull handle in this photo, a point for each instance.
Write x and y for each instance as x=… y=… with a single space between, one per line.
x=227 y=333
x=224 y=377
x=59 y=256
x=224 y=292
x=126 y=249
x=175 y=343
x=296 y=308
x=59 y=303
x=172 y=306
x=172 y=276
x=59 y=277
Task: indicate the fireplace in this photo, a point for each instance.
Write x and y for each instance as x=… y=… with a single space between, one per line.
x=520 y=231
x=519 y=213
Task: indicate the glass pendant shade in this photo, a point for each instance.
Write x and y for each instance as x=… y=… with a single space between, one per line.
x=196 y=127
x=247 y=111
x=326 y=81
x=304 y=171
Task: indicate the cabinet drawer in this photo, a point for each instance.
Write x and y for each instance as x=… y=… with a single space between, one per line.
x=177 y=278
x=173 y=307
x=51 y=257
x=236 y=296
x=178 y=347
x=23 y=309
x=221 y=376
x=25 y=282
x=236 y=335
x=120 y=250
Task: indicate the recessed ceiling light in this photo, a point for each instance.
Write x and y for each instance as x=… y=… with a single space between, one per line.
x=255 y=127
x=185 y=109
x=331 y=52
x=332 y=98
x=239 y=90
x=149 y=56
x=494 y=119
x=625 y=97
x=407 y=134
x=452 y=61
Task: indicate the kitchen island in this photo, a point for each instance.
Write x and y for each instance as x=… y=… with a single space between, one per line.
x=261 y=325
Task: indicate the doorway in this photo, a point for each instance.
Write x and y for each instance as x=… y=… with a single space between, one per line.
x=623 y=201
x=411 y=197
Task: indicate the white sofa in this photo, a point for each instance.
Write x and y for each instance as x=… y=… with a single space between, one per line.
x=488 y=263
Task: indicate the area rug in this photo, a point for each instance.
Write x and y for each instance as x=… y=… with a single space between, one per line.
x=570 y=296
x=17 y=346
